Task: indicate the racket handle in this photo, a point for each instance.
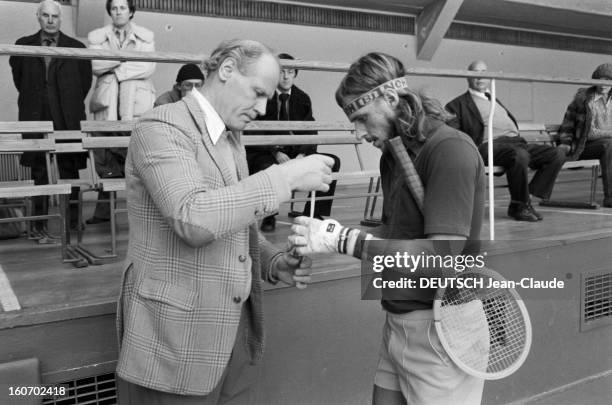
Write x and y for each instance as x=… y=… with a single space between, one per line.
x=411 y=177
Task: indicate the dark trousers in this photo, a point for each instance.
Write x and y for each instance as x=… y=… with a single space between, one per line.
x=41 y=203
x=68 y=168
x=515 y=155
x=323 y=208
x=601 y=149
x=233 y=388
x=110 y=163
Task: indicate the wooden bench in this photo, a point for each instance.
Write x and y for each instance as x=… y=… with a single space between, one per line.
x=12 y=131
x=110 y=185
x=26 y=189
x=347 y=137
x=548 y=134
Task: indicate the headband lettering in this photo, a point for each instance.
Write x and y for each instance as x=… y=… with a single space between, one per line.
x=395 y=84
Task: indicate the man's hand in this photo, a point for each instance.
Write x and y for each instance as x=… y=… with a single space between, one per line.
x=281 y=157
x=310 y=173
x=565 y=148
x=311 y=235
x=292 y=270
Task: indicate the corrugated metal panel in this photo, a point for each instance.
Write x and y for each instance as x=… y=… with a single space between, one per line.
x=283 y=13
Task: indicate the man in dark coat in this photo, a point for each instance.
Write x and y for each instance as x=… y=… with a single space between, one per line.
x=510 y=150
x=289 y=103
x=52 y=89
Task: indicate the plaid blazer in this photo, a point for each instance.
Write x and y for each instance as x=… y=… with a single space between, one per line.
x=194 y=253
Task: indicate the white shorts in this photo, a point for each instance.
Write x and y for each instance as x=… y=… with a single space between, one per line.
x=413 y=361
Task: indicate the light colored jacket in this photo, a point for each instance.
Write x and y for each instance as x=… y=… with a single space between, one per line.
x=123 y=89
x=195 y=253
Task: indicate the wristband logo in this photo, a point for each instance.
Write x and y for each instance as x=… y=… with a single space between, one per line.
x=330 y=228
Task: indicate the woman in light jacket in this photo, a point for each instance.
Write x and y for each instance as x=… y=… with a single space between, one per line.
x=123 y=90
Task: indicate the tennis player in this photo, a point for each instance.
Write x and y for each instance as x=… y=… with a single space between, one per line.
x=413 y=367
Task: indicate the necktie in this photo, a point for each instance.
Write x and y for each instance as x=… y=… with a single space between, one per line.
x=120 y=36
x=47 y=41
x=488 y=95
x=283 y=113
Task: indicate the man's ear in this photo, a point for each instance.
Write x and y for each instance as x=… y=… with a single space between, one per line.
x=391 y=97
x=227 y=69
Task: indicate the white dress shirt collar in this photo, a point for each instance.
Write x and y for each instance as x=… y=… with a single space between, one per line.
x=214 y=124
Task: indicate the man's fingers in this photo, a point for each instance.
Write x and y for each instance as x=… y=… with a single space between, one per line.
x=293 y=260
x=302 y=279
x=297 y=240
x=302 y=250
x=301 y=220
x=328 y=161
x=306 y=263
x=323 y=188
x=302 y=272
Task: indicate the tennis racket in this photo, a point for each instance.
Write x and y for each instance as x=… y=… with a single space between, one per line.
x=486 y=331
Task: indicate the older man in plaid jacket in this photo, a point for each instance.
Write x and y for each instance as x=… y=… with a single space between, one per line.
x=190 y=318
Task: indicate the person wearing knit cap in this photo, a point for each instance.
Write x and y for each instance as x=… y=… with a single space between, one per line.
x=189 y=77
x=586 y=130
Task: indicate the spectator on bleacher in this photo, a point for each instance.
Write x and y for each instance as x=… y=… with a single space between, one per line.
x=52 y=89
x=587 y=127
x=510 y=150
x=190 y=314
x=123 y=90
x=290 y=103
x=189 y=78
x=376 y=96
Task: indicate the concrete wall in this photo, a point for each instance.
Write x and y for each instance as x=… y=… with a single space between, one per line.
x=323 y=342
x=181 y=33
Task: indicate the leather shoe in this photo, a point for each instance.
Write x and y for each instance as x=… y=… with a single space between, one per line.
x=268 y=224
x=534 y=212
x=96 y=220
x=521 y=212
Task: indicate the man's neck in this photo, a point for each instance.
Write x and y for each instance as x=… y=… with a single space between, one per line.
x=127 y=27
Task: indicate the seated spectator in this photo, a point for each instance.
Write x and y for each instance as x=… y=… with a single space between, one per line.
x=189 y=77
x=587 y=127
x=289 y=103
x=510 y=150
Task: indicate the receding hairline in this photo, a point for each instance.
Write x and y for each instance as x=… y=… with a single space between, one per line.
x=472 y=66
x=49 y=2
x=244 y=47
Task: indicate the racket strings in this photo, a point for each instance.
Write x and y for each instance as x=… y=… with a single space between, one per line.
x=501 y=340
